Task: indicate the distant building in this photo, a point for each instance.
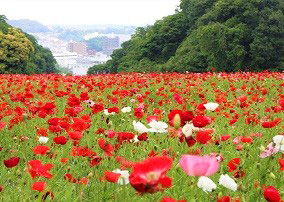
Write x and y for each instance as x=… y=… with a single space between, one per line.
x=80 y=68
x=109 y=43
x=84 y=63
x=66 y=58
x=79 y=48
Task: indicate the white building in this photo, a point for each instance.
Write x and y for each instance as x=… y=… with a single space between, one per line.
x=65 y=59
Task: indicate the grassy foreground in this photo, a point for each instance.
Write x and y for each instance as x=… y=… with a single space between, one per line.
x=87 y=112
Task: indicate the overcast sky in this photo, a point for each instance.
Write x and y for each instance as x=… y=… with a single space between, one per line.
x=74 y=12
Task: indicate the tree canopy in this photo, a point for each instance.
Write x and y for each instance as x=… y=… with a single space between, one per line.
x=20 y=52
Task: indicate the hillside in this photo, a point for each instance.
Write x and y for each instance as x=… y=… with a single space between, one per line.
x=223 y=35
x=20 y=52
x=29 y=26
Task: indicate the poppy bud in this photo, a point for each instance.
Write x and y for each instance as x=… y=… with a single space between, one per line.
x=272 y=175
x=177 y=121
x=91 y=175
x=262 y=148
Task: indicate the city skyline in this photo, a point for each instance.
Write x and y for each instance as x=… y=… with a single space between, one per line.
x=87 y=12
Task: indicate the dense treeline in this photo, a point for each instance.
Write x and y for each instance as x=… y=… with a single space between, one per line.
x=225 y=35
x=20 y=53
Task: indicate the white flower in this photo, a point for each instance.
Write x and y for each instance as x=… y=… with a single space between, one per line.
x=124 y=176
x=43 y=140
x=188 y=129
x=206 y=184
x=158 y=127
x=279 y=142
x=211 y=106
x=107 y=113
x=126 y=109
x=135 y=139
x=139 y=127
x=228 y=182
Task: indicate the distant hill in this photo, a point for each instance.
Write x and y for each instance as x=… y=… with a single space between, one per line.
x=29 y=26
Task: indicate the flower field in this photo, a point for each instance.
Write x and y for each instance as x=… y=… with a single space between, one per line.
x=142 y=137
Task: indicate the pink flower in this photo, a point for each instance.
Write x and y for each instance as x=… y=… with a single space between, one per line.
x=270 y=150
x=199 y=165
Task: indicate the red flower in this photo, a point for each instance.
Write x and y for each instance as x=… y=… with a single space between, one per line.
x=124 y=137
x=75 y=135
x=148 y=175
x=201 y=121
x=40 y=149
x=2 y=125
x=36 y=169
x=60 y=140
x=11 y=162
x=112 y=177
x=281 y=163
x=97 y=108
x=143 y=137
x=233 y=164
x=203 y=136
x=184 y=116
x=38 y=186
x=271 y=194
x=107 y=147
x=281 y=102
x=95 y=160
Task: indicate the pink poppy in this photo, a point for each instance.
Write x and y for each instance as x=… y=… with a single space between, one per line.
x=199 y=165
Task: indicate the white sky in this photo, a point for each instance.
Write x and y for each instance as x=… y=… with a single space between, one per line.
x=74 y=12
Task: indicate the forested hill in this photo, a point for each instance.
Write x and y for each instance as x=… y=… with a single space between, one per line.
x=29 y=26
x=225 y=35
x=20 y=52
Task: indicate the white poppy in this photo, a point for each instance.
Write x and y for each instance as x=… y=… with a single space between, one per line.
x=188 y=129
x=43 y=140
x=158 y=127
x=211 y=106
x=126 y=109
x=228 y=182
x=139 y=127
x=124 y=176
x=206 y=184
x=279 y=142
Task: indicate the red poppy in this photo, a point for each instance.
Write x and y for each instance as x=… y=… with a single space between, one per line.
x=201 y=121
x=271 y=194
x=184 y=116
x=111 y=176
x=40 y=149
x=281 y=164
x=36 y=169
x=148 y=175
x=95 y=160
x=233 y=164
x=11 y=162
x=38 y=186
x=203 y=136
x=60 y=140
x=107 y=147
x=75 y=135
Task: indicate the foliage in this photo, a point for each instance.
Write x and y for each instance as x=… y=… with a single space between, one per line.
x=225 y=35
x=20 y=52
